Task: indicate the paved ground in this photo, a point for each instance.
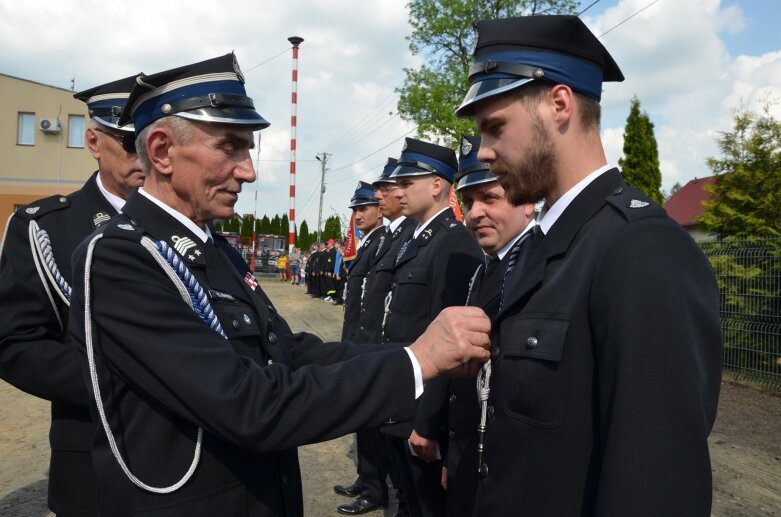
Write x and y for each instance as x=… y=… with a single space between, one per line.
x=745 y=444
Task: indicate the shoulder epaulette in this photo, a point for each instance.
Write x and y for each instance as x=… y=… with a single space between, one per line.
x=122 y=228
x=634 y=205
x=43 y=206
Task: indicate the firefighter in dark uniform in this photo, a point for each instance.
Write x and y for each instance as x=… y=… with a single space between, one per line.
x=35 y=289
x=431 y=271
x=501 y=229
x=374 y=290
x=606 y=350
x=199 y=385
x=370 y=487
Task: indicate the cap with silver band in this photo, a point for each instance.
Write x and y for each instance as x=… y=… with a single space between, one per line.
x=419 y=158
x=471 y=171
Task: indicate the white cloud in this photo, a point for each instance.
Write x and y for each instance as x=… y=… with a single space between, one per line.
x=673 y=54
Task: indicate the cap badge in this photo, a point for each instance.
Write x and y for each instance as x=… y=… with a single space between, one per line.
x=32 y=209
x=636 y=203
x=237 y=69
x=128 y=227
x=466 y=147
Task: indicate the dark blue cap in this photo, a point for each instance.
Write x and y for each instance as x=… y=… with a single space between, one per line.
x=364 y=195
x=560 y=49
x=471 y=171
x=390 y=166
x=209 y=91
x=106 y=102
x=419 y=158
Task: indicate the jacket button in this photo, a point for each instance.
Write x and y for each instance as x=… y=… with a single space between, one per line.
x=452 y=399
x=236 y=324
x=483 y=470
x=495 y=351
x=618 y=190
x=272 y=338
x=531 y=342
x=451 y=434
x=247 y=320
x=409 y=275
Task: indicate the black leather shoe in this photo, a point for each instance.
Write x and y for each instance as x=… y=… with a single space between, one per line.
x=358 y=507
x=348 y=490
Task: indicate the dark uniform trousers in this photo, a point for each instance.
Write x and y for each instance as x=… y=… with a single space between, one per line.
x=432 y=273
x=372 y=458
x=163 y=373
x=34 y=353
x=606 y=367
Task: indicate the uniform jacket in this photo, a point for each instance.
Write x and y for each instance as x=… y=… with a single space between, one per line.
x=464 y=406
x=432 y=274
x=34 y=355
x=378 y=284
x=256 y=394
x=358 y=272
x=606 y=367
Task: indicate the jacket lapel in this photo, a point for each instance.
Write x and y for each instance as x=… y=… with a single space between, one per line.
x=530 y=274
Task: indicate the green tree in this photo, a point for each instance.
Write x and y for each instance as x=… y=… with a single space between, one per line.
x=218 y=226
x=746 y=195
x=233 y=224
x=265 y=225
x=247 y=223
x=332 y=228
x=276 y=225
x=640 y=163
x=304 y=239
x=284 y=226
x=443 y=34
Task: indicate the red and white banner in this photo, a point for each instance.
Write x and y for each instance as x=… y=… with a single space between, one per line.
x=350 y=248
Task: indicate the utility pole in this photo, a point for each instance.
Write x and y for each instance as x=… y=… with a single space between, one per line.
x=322 y=158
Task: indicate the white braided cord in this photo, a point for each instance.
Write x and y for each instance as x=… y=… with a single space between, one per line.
x=155 y=249
x=31 y=232
x=43 y=246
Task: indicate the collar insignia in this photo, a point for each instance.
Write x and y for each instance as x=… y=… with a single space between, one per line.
x=182 y=245
x=427 y=233
x=100 y=218
x=636 y=203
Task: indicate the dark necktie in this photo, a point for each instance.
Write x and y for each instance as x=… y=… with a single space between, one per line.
x=537 y=236
x=491 y=264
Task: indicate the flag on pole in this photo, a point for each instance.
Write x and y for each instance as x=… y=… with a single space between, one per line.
x=453 y=202
x=350 y=248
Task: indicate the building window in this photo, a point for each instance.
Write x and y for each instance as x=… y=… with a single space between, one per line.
x=26 y=134
x=75 y=130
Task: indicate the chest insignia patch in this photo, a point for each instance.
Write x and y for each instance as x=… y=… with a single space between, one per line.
x=249 y=278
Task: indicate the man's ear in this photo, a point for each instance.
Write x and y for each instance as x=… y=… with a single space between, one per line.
x=91 y=139
x=158 y=145
x=436 y=186
x=561 y=100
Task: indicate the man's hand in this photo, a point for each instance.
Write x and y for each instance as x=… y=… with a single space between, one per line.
x=455 y=343
x=425 y=449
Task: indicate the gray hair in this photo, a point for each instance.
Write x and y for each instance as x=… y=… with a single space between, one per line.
x=182 y=129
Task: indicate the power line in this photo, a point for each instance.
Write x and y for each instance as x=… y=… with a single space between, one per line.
x=589 y=7
x=629 y=18
x=375 y=152
x=266 y=61
x=344 y=136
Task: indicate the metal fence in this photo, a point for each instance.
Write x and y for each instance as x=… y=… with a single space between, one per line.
x=749 y=276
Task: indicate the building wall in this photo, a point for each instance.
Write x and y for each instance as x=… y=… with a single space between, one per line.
x=49 y=166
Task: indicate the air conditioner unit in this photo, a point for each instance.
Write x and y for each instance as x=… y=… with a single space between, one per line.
x=49 y=125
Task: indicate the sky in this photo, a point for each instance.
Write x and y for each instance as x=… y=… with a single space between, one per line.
x=691 y=63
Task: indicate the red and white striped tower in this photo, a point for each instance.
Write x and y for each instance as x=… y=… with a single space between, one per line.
x=296 y=41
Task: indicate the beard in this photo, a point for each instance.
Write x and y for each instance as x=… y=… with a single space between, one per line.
x=531 y=178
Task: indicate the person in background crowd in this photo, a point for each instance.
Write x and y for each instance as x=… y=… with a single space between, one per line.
x=294 y=262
